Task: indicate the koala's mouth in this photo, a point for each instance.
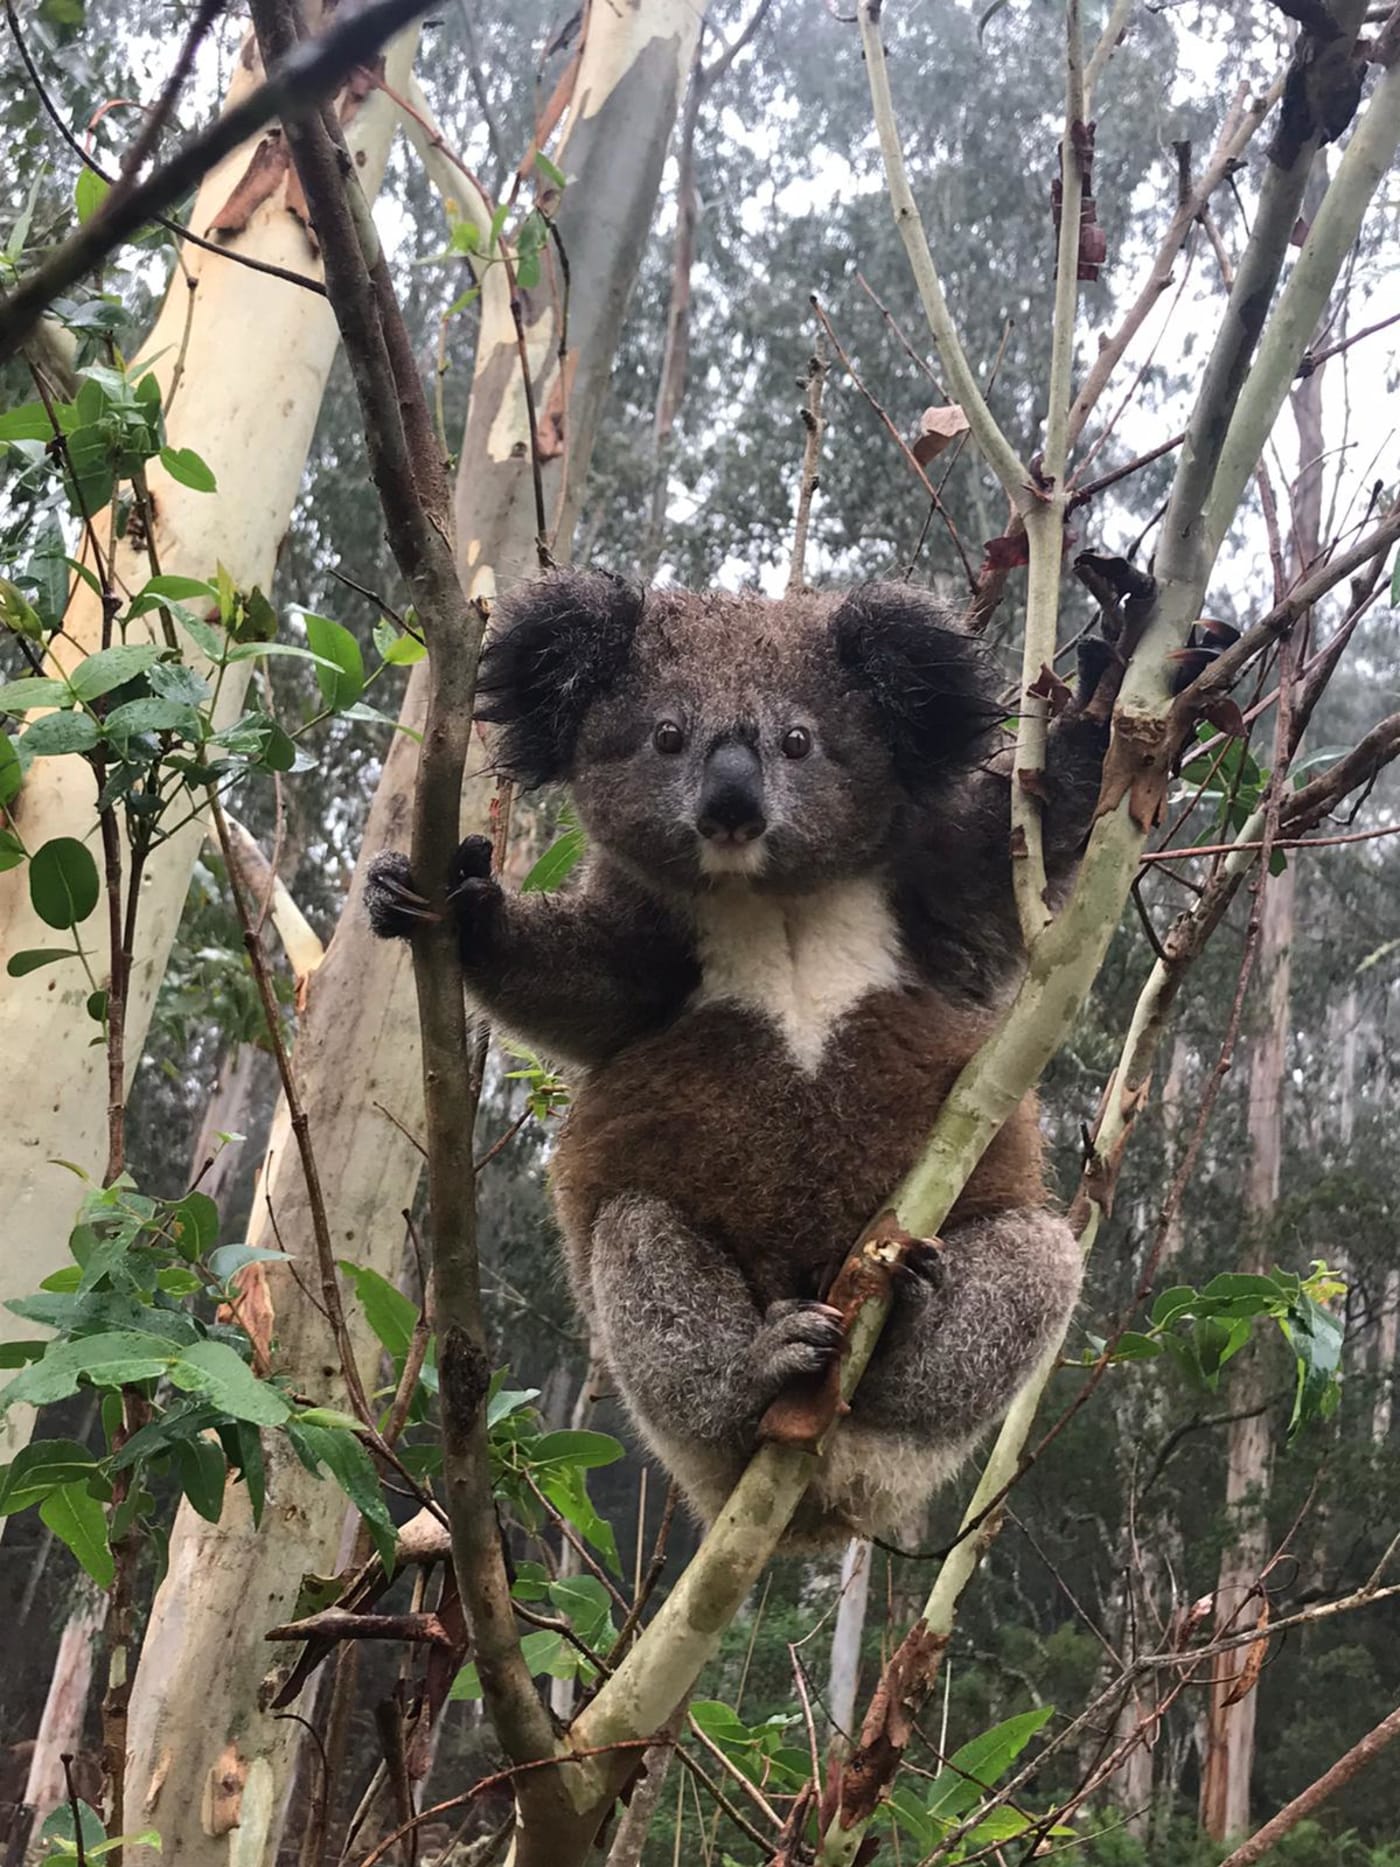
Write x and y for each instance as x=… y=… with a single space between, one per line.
x=733 y=858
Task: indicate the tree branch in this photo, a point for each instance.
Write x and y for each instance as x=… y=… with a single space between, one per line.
x=1342 y=1771
x=307 y=73
x=1000 y=454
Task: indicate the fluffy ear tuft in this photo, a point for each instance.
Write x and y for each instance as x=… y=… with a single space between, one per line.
x=557 y=644
x=930 y=681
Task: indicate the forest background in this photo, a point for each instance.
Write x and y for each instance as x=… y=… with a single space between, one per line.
x=772 y=197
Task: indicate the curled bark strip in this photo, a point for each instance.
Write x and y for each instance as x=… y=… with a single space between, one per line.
x=1137 y=767
x=806 y=1410
x=855 y=1788
x=268 y=168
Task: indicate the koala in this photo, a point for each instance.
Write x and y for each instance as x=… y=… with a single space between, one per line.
x=794 y=926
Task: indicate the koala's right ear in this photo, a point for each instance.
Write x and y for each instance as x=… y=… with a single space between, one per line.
x=557 y=644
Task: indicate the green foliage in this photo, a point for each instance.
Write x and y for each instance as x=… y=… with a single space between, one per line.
x=974 y=1769
x=1201 y=1330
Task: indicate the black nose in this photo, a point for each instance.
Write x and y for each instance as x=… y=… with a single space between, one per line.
x=731 y=795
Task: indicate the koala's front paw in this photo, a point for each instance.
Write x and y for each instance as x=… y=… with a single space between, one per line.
x=475 y=895
x=394 y=906
x=795 y=1338
x=921 y=1267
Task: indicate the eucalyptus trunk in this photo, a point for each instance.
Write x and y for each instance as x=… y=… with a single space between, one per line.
x=240 y=341
x=208 y=1768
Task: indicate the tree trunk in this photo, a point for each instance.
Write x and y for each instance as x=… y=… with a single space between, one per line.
x=65 y=1712
x=1229 y=1728
x=1146 y=1551
x=675 y=354
x=255 y=343
x=202 y=1755
x=218 y=1166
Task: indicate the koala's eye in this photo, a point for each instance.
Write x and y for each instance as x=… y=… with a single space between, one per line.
x=797 y=742
x=668 y=737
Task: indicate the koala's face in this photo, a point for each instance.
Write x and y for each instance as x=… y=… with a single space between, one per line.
x=712 y=739
x=732 y=748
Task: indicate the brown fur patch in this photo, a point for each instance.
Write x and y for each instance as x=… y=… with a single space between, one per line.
x=783 y=1169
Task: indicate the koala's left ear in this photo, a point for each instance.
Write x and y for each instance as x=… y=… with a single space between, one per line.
x=930 y=681
x=556 y=645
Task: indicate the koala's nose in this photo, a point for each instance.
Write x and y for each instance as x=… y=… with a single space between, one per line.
x=731 y=796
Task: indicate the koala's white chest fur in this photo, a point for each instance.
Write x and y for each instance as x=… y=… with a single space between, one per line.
x=803 y=961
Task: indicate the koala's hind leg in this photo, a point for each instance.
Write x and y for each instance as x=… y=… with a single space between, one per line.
x=695 y=1358
x=957 y=1347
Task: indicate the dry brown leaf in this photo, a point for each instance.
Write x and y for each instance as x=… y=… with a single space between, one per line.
x=938 y=428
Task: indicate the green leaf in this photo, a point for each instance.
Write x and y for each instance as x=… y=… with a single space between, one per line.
x=11 y=770
x=506 y=1401
x=151 y=716
x=40 y=1467
x=557 y=862
x=194 y=1222
x=1236 y=1285
x=567 y=1490
x=1315 y=1337
x=168 y=588
x=77 y=1519
x=229 y=1259
x=89 y=193
x=32 y=958
x=387 y=1310
x=550 y=170
x=220 y=1374
x=172 y=680
x=342 y=684
x=12 y=851
x=1172 y=1303
x=29 y=422
x=201 y=1468
x=18 y=613
x=985 y=1760
x=112 y=667
x=578 y=1449
x=59 y=1826
x=1395 y=583
x=20 y=1354
x=63 y=882
x=148 y=1838
x=399 y=650
x=57 y=733
x=38 y=690
x=112 y=1359
x=1134 y=1347
x=184 y=465
x=353 y=1470
x=244 y=1448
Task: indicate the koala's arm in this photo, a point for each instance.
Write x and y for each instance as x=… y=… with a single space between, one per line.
x=955 y=890
x=580 y=974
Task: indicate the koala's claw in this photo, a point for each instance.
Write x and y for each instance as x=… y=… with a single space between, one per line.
x=394 y=906
x=796 y=1338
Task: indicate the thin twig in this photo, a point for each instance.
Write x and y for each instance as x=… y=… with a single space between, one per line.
x=814 y=425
